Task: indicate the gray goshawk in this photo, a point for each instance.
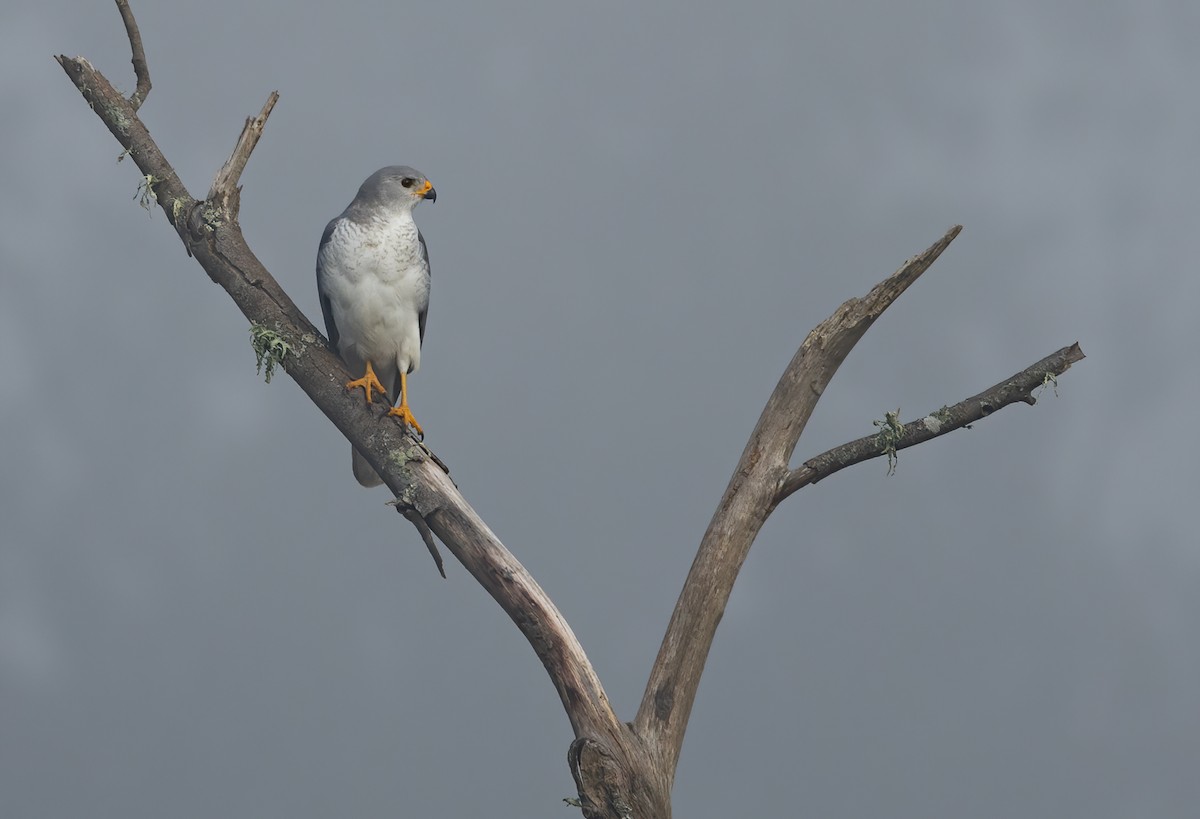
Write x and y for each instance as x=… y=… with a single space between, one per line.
x=373 y=279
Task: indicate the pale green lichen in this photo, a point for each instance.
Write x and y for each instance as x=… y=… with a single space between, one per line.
x=270 y=348
x=1049 y=382
x=400 y=458
x=212 y=216
x=145 y=195
x=301 y=347
x=890 y=433
x=116 y=117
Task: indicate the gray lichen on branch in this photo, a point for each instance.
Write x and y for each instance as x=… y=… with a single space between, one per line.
x=891 y=432
x=270 y=348
x=146 y=195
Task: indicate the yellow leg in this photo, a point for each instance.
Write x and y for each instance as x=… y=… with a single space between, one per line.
x=404 y=413
x=368 y=382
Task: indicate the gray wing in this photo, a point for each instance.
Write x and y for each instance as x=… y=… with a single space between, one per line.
x=424 y=310
x=331 y=329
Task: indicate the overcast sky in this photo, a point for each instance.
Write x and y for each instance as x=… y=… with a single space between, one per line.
x=642 y=209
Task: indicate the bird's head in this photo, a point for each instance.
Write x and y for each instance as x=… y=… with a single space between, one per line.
x=396 y=186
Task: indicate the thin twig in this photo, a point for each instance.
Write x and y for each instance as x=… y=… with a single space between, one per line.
x=1017 y=389
x=413 y=517
x=141 y=69
x=225 y=191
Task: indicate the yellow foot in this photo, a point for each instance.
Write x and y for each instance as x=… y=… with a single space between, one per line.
x=406 y=416
x=367 y=383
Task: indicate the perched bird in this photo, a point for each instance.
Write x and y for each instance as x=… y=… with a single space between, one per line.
x=373 y=279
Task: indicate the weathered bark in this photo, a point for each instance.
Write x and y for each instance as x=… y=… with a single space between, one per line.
x=620 y=770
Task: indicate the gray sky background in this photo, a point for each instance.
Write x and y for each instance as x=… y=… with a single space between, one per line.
x=642 y=210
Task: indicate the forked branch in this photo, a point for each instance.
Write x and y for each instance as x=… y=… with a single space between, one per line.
x=749 y=499
x=620 y=770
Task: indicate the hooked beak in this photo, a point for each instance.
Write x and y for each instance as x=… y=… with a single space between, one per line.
x=427 y=192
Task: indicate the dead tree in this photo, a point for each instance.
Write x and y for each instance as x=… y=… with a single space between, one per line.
x=621 y=769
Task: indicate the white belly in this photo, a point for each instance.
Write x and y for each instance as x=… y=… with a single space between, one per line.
x=377 y=290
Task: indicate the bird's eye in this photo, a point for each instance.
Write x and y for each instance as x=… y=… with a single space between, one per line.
x=407 y=181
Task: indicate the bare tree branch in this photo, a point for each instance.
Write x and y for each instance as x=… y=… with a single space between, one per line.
x=620 y=770
x=141 y=70
x=1018 y=388
x=119 y=115
x=211 y=233
x=225 y=189
x=748 y=500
